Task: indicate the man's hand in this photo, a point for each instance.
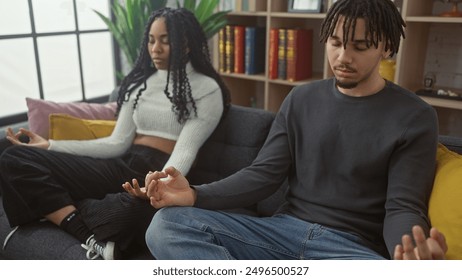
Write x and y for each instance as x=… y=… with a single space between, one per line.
x=431 y=248
x=169 y=188
x=35 y=140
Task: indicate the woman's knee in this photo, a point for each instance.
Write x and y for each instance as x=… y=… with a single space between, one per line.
x=11 y=156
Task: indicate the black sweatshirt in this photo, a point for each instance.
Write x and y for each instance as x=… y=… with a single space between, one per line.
x=364 y=165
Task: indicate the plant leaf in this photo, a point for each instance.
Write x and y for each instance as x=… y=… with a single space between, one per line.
x=189 y=4
x=205 y=9
x=130 y=18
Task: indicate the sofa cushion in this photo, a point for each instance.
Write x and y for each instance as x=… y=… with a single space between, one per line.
x=233 y=145
x=66 y=127
x=40 y=240
x=39 y=111
x=445 y=206
x=453 y=143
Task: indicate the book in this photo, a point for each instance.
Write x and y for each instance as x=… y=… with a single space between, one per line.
x=227 y=5
x=299 y=54
x=229 y=49
x=255 y=50
x=238 y=5
x=273 y=53
x=282 y=54
x=239 y=49
x=255 y=5
x=245 y=5
x=221 y=50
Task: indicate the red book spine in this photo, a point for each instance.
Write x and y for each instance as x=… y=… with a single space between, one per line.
x=299 y=54
x=239 y=49
x=273 y=53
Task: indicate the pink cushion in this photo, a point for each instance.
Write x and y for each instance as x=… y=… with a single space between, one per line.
x=39 y=111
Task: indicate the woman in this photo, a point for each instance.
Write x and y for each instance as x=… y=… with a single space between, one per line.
x=168 y=105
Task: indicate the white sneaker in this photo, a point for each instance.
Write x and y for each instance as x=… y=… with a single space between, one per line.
x=98 y=250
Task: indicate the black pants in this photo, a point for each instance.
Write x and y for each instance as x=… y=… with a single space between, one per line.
x=36 y=182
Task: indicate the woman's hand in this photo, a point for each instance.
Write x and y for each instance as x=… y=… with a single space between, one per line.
x=35 y=140
x=135 y=190
x=431 y=248
x=169 y=188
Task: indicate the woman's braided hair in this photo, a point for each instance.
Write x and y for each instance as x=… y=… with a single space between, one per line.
x=187 y=43
x=383 y=22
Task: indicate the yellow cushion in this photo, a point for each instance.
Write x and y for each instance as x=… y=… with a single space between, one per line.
x=445 y=207
x=66 y=127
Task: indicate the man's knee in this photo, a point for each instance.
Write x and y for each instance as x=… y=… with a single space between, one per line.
x=162 y=220
x=164 y=225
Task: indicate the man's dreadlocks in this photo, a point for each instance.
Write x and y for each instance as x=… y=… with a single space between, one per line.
x=383 y=22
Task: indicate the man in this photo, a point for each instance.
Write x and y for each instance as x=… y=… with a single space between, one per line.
x=359 y=153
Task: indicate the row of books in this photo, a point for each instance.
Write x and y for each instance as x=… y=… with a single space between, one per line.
x=241 y=49
x=241 y=5
x=290 y=54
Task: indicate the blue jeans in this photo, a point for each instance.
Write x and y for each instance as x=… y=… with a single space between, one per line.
x=190 y=233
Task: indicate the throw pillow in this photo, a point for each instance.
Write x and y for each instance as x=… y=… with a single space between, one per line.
x=445 y=206
x=39 y=111
x=66 y=127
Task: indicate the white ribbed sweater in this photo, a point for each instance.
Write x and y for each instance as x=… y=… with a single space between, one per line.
x=154 y=116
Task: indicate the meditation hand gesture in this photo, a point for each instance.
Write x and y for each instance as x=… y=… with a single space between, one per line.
x=431 y=248
x=169 y=188
x=35 y=140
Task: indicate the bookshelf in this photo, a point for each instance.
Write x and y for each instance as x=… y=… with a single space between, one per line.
x=261 y=91
x=421 y=16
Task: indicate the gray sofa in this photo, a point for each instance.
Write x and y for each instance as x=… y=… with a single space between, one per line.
x=233 y=145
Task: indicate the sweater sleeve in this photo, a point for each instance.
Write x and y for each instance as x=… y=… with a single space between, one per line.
x=107 y=147
x=257 y=181
x=196 y=131
x=410 y=180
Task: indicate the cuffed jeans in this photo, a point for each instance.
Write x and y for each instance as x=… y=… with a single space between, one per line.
x=190 y=233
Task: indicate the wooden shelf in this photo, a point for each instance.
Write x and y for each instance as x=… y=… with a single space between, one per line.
x=249 y=14
x=297 y=15
x=434 y=19
x=259 y=77
x=443 y=103
x=410 y=61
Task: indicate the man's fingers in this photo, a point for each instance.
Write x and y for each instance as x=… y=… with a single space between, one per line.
x=157 y=203
x=151 y=188
x=408 y=248
x=398 y=255
x=172 y=171
x=156 y=175
x=439 y=237
x=423 y=252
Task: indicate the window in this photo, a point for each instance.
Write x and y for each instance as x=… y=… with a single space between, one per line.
x=57 y=50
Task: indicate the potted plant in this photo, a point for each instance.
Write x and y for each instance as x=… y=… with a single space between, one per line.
x=130 y=19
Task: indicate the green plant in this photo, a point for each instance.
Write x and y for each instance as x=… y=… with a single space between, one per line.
x=129 y=23
x=210 y=20
x=130 y=19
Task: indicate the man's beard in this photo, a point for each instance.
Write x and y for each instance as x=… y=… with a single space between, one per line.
x=349 y=85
